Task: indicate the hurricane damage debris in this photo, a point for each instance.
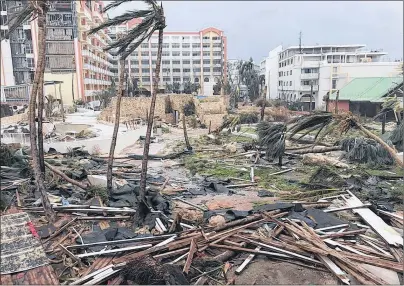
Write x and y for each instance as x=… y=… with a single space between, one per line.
x=252 y=205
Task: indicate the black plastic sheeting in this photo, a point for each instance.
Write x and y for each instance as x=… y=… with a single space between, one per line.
x=316 y=218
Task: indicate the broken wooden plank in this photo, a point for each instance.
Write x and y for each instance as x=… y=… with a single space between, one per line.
x=242 y=249
x=376 y=247
x=388 y=234
x=192 y=250
x=179 y=258
x=112 y=242
x=60 y=230
x=161 y=225
x=342 y=234
x=102 y=252
x=246 y=261
x=332 y=227
x=241 y=185
x=337 y=244
x=188 y=203
x=347 y=208
x=170 y=253
x=341 y=275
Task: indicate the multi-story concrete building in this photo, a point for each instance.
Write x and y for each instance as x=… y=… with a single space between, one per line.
x=291 y=73
x=197 y=57
x=72 y=56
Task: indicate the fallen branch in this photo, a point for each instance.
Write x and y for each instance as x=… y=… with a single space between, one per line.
x=65 y=177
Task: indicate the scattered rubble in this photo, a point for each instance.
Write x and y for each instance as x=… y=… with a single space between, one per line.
x=226 y=211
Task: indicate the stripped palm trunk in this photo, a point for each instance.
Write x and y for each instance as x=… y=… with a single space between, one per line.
x=40 y=70
x=156 y=80
x=184 y=126
x=116 y=124
x=40 y=126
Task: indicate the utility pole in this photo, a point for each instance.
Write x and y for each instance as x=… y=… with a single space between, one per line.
x=311 y=96
x=300 y=42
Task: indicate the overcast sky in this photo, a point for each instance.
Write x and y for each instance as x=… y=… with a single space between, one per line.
x=253 y=28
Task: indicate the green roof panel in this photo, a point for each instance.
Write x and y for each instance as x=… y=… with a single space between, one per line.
x=367 y=89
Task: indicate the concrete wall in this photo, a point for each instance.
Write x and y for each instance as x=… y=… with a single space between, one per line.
x=343 y=105
x=66 y=87
x=5 y=121
x=272 y=73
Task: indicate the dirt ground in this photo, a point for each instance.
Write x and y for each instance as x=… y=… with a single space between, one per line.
x=263 y=271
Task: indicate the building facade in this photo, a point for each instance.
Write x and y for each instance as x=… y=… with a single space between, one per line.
x=293 y=73
x=196 y=57
x=72 y=56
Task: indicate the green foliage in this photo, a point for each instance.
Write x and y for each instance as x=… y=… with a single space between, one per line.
x=364 y=150
x=190 y=88
x=397 y=136
x=249 y=76
x=94 y=191
x=105 y=96
x=189 y=108
x=176 y=87
x=272 y=138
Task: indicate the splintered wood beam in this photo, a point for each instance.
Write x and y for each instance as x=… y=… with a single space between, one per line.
x=246 y=261
x=192 y=250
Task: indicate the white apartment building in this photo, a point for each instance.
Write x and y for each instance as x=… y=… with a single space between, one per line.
x=197 y=57
x=291 y=73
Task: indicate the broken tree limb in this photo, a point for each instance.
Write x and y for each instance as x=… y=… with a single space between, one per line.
x=316 y=150
x=188 y=203
x=158 y=157
x=192 y=250
x=65 y=177
x=184 y=126
x=347 y=208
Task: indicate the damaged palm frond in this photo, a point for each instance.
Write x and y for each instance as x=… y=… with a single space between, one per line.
x=232 y=120
x=152 y=20
x=397 y=136
x=390 y=104
x=272 y=138
x=364 y=150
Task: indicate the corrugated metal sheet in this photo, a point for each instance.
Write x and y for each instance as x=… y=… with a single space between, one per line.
x=368 y=89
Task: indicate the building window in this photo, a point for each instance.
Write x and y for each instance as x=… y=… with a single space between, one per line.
x=144 y=54
x=196 y=79
x=196 y=54
x=176 y=79
x=186 y=62
x=279 y=64
x=166 y=46
x=206 y=69
x=287 y=83
x=217 y=45
x=186 y=70
x=335 y=69
x=165 y=62
x=196 y=62
x=146 y=79
x=175 y=46
x=217 y=62
x=206 y=54
x=144 y=45
x=287 y=73
x=176 y=54
x=206 y=62
x=290 y=73
x=196 y=45
x=135 y=70
x=206 y=79
x=154 y=54
x=185 y=46
x=154 y=45
x=166 y=70
x=176 y=62
x=334 y=84
x=217 y=69
x=166 y=79
x=145 y=70
x=291 y=61
x=186 y=54
x=206 y=45
x=166 y=54
x=306 y=82
x=176 y=70
x=145 y=62
x=290 y=83
x=280 y=83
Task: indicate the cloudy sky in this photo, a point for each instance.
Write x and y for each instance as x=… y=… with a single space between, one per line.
x=253 y=28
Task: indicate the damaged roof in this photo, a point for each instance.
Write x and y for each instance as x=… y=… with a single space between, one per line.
x=371 y=89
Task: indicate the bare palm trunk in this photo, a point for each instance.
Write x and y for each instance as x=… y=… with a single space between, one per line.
x=156 y=80
x=336 y=102
x=116 y=125
x=61 y=102
x=392 y=152
x=184 y=126
x=40 y=69
x=40 y=126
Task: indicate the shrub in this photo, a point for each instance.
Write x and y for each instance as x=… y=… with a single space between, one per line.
x=189 y=108
x=259 y=101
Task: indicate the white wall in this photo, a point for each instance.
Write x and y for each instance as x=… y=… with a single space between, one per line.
x=271 y=73
x=349 y=71
x=7 y=76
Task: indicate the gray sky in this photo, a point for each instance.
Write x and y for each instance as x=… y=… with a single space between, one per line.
x=253 y=28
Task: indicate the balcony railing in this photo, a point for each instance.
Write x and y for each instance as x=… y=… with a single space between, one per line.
x=309 y=76
x=308 y=88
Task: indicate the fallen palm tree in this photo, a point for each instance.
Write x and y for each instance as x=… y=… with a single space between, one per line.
x=272 y=139
x=397 y=136
x=364 y=150
x=325 y=123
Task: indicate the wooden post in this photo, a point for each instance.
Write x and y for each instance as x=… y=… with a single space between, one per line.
x=210 y=125
x=384 y=123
